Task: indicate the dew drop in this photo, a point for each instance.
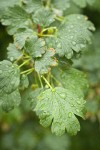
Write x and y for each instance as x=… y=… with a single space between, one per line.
x=78 y=17
x=74 y=43
x=79 y=102
x=72 y=105
x=71 y=26
x=63 y=95
x=77 y=110
x=71 y=37
x=69 y=114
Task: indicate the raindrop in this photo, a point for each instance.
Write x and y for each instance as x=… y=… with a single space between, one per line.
x=63 y=95
x=77 y=110
x=72 y=105
x=78 y=17
x=71 y=26
x=69 y=114
x=79 y=102
x=71 y=37
x=74 y=43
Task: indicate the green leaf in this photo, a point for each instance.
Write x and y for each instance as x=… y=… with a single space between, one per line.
x=43 y=64
x=15 y=18
x=4 y=5
x=83 y=3
x=9 y=101
x=43 y=17
x=13 y=53
x=74 y=34
x=24 y=82
x=9 y=76
x=32 y=5
x=21 y=36
x=58 y=109
x=35 y=46
x=29 y=97
x=72 y=79
x=62 y=5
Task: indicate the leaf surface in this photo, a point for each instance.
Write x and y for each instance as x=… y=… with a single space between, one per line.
x=43 y=64
x=9 y=101
x=58 y=109
x=9 y=76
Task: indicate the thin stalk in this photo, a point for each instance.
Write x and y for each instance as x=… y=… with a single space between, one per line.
x=47 y=83
x=40 y=80
x=25 y=62
x=27 y=71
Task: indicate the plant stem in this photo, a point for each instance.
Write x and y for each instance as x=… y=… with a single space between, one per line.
x=47 y=83
x=40 y=80
x=27 y=71
x=59 y=18
x=25 y=62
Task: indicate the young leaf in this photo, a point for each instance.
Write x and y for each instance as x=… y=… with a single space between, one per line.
x=43 y=64
x=32 y=5
x=43 y=17
x=83 y=3
x=9 y=101
x=21 y=36
x=35 y=47
x=13 y=53
x=59 y=108
x=74 y=33
x=9 y=76
x=15 y=18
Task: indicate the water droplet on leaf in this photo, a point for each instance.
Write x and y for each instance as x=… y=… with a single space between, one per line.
x=74 y=43
x=69 y=114
x=79 y=102
x=63 y=95
x=77 y=110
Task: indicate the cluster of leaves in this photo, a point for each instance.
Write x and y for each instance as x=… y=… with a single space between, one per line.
x=39 y=61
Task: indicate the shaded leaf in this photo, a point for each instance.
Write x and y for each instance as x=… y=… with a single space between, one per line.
x=9 y=76
x=9 y=101
x=13 y=52
x=83 y=3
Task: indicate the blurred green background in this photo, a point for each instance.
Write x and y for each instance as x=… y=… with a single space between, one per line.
x=20 y=129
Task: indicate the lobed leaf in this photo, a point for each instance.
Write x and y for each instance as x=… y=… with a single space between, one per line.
x=35 y=47
x=15 y=18
x=74 y=34
x=59 y=108
x=43 y=64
